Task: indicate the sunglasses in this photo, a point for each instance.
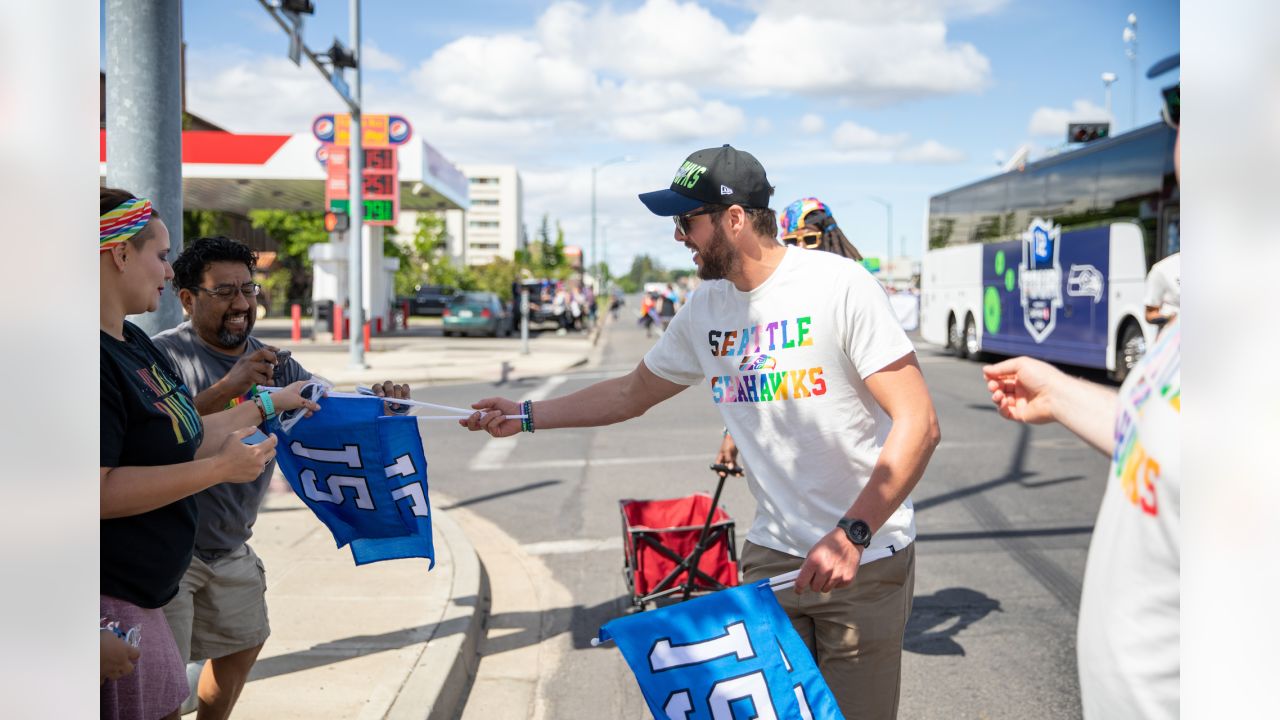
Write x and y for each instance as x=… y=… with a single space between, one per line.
x=1171 y=109
x=808 y=241
x=682 y=221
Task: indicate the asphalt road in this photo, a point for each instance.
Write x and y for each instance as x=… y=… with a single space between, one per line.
x=1004 y=515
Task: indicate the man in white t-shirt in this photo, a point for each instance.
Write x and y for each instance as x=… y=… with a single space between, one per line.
x=1164 y=289
x=820 y=387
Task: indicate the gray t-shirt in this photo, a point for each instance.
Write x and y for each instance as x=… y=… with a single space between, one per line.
x=227 y=510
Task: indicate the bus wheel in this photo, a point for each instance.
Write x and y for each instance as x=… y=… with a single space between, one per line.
x=1128 y=351
x=971 y=342
x=955 y=341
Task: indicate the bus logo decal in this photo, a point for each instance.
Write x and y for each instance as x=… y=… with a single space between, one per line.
x=1085 y=281
x=1040 y=278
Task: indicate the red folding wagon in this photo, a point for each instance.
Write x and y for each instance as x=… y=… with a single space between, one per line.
x=680 y=545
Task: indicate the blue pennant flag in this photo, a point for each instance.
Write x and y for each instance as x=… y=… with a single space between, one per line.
x=729 y=655
x=364 y=475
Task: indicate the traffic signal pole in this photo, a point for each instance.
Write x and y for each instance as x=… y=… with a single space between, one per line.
x=355 y=242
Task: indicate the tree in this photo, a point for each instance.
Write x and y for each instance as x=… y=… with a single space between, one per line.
x=645 y=269
x=430 y=243
x=294 y=233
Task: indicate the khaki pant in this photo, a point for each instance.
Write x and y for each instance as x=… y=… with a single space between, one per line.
x=855 y=633
x=221 y=607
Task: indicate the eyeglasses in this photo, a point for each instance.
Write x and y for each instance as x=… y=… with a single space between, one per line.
x=226 y=292
x=1172 y=106
x=682 y=221
x=808 y=241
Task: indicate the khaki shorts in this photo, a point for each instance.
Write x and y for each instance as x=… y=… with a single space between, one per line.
x=855 y=633
x=221 y=607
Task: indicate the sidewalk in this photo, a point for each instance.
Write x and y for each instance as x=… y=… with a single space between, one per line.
x=385 y=640
x=421 y=357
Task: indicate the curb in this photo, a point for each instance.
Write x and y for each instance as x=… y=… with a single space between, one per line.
x=440 y=681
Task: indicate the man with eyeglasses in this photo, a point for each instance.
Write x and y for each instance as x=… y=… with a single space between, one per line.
x=819 y=384
x=220 y=612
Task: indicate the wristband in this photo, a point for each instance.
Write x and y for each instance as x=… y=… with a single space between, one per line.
x=268 y=407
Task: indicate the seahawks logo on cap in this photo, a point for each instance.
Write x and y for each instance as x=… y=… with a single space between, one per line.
x=726 y=190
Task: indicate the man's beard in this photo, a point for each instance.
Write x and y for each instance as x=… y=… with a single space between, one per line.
x=718 y=258
x=231 y=340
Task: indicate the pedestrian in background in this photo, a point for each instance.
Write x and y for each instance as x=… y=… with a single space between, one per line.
x=812 y=373
x=153 y=457
x=1128 y=639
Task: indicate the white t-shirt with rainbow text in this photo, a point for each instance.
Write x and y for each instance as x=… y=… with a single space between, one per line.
x=786 y=363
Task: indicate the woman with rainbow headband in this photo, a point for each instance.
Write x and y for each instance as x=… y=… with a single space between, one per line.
x=153 y=458
x=806 y=223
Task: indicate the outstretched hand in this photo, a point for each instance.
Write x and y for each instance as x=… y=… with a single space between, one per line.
x=491 y=416
x=391 y=390
x=1022 y=388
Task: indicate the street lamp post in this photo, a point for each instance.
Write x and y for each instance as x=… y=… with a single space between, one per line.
x=595 y=258
x=1130 y=36
x=1107 y=79
x=888 y=236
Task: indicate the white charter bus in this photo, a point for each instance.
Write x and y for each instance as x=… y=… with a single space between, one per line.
x=1051 y=260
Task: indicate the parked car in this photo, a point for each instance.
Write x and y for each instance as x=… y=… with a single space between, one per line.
x=431 y=299
x=475 y=313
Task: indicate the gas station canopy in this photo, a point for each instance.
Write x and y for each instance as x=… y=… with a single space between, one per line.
x=238 y=173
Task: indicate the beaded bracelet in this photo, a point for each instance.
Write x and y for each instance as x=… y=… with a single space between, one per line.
x=526 y=423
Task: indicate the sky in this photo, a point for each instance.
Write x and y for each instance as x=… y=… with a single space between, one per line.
x=844 y=100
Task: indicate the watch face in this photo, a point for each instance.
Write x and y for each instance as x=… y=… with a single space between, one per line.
x=858 y=531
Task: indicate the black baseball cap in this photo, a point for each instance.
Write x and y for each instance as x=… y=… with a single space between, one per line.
x=716 y=176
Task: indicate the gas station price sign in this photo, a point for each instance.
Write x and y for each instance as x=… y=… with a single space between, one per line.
x=381 y=183
x=376 y=212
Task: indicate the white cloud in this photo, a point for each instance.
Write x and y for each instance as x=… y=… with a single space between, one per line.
x=762 y=126
x=377 y=59
x=1047 y=121
x=930 y=152
x=812 y=124
x=711 y=120
x=850 y=136
x=247 y=93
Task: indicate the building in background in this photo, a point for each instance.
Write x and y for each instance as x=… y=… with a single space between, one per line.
x=493 y=225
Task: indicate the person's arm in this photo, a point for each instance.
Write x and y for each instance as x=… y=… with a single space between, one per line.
x=604 y=403
x=900 y=390
x=115 y=657
x=133 y=490
x=1035 y=392
x=255 y=368
x=728 y=452
x=246 y=414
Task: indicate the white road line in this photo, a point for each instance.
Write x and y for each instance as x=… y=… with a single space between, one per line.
x=569 y=547
x=495 y=452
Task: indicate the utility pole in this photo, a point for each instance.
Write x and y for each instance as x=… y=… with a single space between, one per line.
x=888 y=236
x=144 y=121
x=1107 y=79
x=595 y=258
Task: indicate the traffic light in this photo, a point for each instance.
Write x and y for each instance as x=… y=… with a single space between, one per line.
x=1087 y=132
x=302 y=7
x=340 y=56
x=336 y=221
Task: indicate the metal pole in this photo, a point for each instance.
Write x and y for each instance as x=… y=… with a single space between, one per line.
x=144 y=121
x=888 y=241
x=594 y=258
x=524 y=320
x=355 y=250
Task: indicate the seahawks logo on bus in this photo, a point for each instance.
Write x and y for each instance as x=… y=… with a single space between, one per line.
x=1040 y=276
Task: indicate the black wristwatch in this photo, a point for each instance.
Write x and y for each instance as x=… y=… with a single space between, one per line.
x=858 y=532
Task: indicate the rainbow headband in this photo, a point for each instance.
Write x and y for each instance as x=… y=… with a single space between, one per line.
x=117 y=226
